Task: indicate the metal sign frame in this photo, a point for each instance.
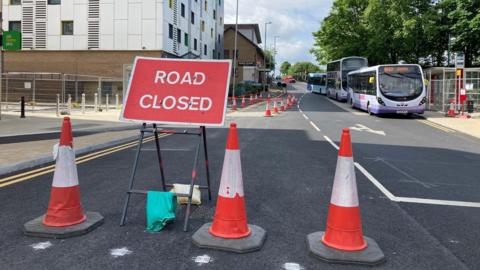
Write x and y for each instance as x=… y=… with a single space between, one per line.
x=202 y=141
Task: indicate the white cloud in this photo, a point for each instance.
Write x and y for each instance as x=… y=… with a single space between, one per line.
x=293 y=21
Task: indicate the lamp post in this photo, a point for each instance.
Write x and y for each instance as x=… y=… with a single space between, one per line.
x=265 y=53
x=450 y=39
x=235 y=57
x=275 y=53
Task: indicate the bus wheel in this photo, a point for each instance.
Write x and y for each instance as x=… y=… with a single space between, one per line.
x=369 y=110
x=336 y=96
x=351 y=103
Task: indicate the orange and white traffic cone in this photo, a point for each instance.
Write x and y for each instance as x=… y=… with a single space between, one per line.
x=234 y=104
x=243 y=102
x=275 y=106
x=64 y=207
x=230 y=230
x=344 y=228
x=282 y=105
x=268 y=113
x=251 y=99
x=294 y=100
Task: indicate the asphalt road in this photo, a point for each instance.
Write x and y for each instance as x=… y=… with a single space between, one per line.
x=288 y=169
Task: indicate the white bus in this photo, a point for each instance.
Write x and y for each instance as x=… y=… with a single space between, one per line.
x=382 y=89
x=337 y=75
x=317 y=83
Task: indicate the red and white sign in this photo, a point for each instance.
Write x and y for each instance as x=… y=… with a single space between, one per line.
x=174 y=91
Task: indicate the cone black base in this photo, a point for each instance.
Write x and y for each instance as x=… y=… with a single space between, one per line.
x=372 y=255
x=36 y=228
x=254 y=242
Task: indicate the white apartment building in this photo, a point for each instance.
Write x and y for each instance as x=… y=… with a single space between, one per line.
x=166 y=28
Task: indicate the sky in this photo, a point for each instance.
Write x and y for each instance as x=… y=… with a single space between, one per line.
x=293 y=21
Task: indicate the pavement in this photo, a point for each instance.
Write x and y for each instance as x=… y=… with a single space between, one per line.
x=470 y=126
x=417 y=182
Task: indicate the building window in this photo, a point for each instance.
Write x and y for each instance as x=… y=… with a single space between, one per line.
x=170 y=31
x=15 y=26
x=226 y=54
x=179 y=36
x=202 y=26
x=206 y=4
x=205 y=49
x=219 y=38
x=186 y=40
x=214 y=14
x=211 y=32
x=54 y=2
x=192 y=18
x=221 y=20
x=219 y=56
x=220 y=2
x=182 y=10
x=195 y=47
x=170 y=4
x=67 y=28
x=15 y=2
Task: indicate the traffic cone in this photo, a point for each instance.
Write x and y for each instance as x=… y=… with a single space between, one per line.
x=282 y=105
x=251 y=99
x=268 y=113
x=234 y=104
x=230 y=230
x=275 y=106
x=343 y=234
x=64 y=208
x=243 y=102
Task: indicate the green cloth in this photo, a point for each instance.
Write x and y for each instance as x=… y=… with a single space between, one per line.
x=161 y=208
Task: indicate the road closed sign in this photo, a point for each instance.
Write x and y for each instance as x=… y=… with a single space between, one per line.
x=173 y=91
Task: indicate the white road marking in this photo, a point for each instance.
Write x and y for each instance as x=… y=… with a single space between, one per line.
x=119 y=252
x=360 y=127
x=203 y=259
x=314 y=126
x=292 y=266
x=41 y=245
x=375 y=182
x=304 y=116
x=384 y=190
x=438 y=202
x=331 y=142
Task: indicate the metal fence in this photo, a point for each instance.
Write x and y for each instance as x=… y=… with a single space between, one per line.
x=441 y=89
x=46 y=91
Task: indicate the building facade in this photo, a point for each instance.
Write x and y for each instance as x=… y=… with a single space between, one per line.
x=110 y=32
x=250 y=57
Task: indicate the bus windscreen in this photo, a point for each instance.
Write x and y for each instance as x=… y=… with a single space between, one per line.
x=400 y=83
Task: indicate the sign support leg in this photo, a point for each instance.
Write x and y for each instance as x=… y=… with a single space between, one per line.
x=192 y=184
x=132 y=176
x=159 y=155
x=204 y=135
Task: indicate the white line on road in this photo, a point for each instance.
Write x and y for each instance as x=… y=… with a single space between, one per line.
x=375 y=182
x=304 y=116
x=331 y=142
x=203 y=259
x=292 y=266
x=314 y=126
x=437 y=202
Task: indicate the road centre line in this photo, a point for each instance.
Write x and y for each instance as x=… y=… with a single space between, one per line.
x=437 y=202
x=331 y=142
x=375 y=182
x=314 y=126
x=42 y=171
x=304 y=116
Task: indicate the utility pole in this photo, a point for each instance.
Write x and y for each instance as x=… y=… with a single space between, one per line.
x=275 y=53
x=235 y=56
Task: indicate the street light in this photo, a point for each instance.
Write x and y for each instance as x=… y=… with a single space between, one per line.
x=235 y=56
x=275 y=53
x=265 y=53
x=450 y=40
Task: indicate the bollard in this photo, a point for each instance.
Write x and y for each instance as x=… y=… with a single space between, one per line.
x=95 y=103
x=116 y=102
x=69 y=104
x=106 y=102
x=83 y=103
x=58 y=105
x=22 y=107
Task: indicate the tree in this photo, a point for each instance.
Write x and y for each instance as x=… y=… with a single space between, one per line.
x=269 y=61
x=300 y=69
x=285 y=67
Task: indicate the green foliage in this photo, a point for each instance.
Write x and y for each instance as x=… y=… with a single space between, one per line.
x=300 y=69
x=270 y=62
x=285 y=67
x=386 y=31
